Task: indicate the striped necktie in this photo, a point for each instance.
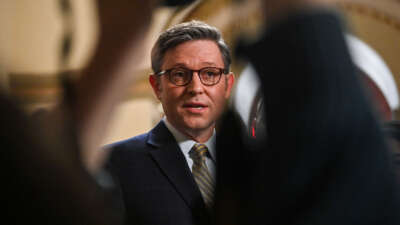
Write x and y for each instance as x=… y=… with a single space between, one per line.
x=201 y=174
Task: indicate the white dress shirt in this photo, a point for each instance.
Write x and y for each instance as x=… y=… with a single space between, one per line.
x=186 y=144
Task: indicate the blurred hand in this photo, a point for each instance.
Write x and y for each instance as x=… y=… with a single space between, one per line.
x=124 y=17
x=123 y=26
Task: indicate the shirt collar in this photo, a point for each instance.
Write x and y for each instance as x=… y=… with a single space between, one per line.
x=186 y=144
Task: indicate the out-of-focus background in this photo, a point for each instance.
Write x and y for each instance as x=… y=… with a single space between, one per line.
x=32 y=32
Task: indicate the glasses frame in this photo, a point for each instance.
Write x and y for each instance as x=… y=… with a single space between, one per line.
x=168 y=73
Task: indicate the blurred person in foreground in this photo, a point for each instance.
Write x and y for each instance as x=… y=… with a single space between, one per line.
x=325 y=160
x=161 y=177
x=50 y=165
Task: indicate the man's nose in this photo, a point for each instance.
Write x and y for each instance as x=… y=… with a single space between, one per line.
x=195 y=86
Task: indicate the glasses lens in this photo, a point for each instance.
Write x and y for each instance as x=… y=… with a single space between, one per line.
x=179 y=76
x=210 y=75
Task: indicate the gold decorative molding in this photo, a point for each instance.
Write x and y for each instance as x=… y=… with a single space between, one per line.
x=46 y=88
x=372 y=12
x=35 y=88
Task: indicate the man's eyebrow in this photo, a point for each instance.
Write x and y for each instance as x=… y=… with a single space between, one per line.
x=210 y=63
x=184 y=65
x=203 y=63
x=179 y=65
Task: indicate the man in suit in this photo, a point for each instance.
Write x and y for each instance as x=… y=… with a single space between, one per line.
x=158 y=173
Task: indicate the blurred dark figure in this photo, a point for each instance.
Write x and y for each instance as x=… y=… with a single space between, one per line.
x=44 y=181
x=50 y=162
x=326 y=160
x=392 y=130
x=176 y=2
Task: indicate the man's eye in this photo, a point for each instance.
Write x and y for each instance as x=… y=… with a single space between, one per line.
x=179 y=73
x=211 y=73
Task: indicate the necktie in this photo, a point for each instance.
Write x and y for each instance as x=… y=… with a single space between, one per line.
x=201 y=174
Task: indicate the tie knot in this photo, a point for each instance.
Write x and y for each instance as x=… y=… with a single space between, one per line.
x=198 y=152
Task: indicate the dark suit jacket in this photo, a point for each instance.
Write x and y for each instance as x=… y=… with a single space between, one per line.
x=155 y=181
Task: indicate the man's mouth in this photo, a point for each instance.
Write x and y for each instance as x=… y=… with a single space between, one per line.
x=195 y=107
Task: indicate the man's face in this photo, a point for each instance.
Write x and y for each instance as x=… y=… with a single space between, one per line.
x=194 y=108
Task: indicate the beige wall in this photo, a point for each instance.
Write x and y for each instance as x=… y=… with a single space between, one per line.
x=31 y=33
x=30 y=36
x=131 y=118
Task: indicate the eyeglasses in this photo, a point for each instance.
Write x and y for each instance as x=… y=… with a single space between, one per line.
x=181 y=76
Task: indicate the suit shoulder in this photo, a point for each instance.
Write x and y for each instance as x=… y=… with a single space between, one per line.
x=136 y=142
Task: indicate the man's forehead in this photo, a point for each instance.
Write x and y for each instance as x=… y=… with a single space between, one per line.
x=197 y=52
x=186 y=65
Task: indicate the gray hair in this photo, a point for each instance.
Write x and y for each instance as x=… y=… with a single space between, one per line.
x=183 y=32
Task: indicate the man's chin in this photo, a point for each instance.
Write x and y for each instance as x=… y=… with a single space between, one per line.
x=199 y=125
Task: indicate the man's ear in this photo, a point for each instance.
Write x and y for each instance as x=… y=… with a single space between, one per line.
x=229 y=84
x=154 y=82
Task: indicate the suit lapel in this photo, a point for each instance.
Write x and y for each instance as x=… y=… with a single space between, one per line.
x=172 y=162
